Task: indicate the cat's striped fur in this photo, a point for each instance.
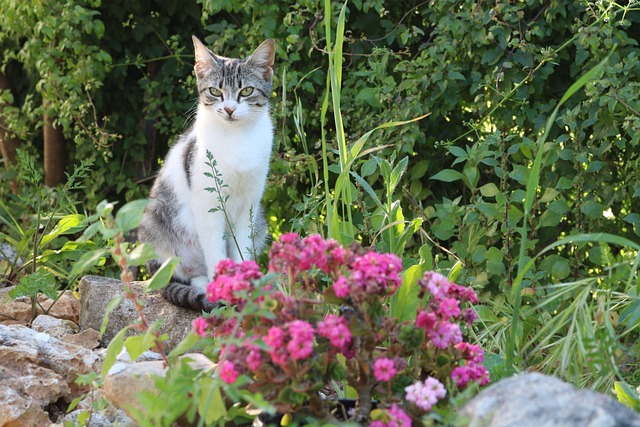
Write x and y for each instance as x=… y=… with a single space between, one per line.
x=233 y=123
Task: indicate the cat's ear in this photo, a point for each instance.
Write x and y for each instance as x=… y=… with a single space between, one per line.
x=264 y=57
x=205 y=59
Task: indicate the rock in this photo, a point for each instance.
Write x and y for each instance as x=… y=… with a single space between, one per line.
x=536 y=400
x=65 y=307
x=96 y=292
x=19 y=311
x=125 y=380
x=37 y=372
x=57 y=328
x=108 y=417
x=16 y=311
x=89 y=338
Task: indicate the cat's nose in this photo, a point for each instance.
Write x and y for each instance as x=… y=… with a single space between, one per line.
x=229 y=110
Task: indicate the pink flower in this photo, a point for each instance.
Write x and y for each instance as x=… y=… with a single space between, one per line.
x=286 y=254
x=449 y=307
x=471 y=352
x=462 y=375
x=374 y=274
x=395 y=417
x=200 y=326
x=425 y=394
x=445 y=334
x=254 y=360
x=426 y=320
x=302 y=335
x=300 y=349
x=341 y=287
x=384 y=369
x=336 y=330
x=228 y=372
x=314 y=253
x=436 y=283
x=398 y=417
x=274 y=338
x=232 y=279
x=280 y=356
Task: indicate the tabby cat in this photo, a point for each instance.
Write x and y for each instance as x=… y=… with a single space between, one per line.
x=233 y=123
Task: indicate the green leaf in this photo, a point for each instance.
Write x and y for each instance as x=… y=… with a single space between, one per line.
x=455 y=271
x=141 y=254
x=368 y=167
x=370 y=191
x=41 y=281
x=138 y=344
x=185 y=345
x=489 y=190
x=88 y=260
x=130 y=215
x=405 y=302
x=627 y=395
x=113 y=350
x=396 y=174
x=632 y=218
x=67 y=225
x=162 y=277
x=211 y=406
x=448 y=175
x=560 y=269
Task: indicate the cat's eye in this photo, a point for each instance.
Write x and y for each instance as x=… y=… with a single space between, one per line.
x=215 y=92
x=246 y=91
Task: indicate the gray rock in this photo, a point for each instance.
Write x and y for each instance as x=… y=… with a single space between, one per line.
x=536 y=400
x=99 y=419
x=96 y=292
x=57 y=328
x=38 y=370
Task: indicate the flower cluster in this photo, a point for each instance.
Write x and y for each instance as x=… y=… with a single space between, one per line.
x=284 y=339
x=425 y=394
x=395 y=417
x=336 y=330
x=439 y=319
x=370 y=275
x=292 y=255
x=472 y=368
x=231 y=279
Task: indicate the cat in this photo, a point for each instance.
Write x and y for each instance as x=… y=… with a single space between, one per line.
x=233 y=123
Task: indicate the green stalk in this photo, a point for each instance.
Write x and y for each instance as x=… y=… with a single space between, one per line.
x=336 y=227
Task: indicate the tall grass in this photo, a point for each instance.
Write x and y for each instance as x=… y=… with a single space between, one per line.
x=339 y=198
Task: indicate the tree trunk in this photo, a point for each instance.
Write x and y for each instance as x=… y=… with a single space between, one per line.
x=55 y=151
x=8 y=144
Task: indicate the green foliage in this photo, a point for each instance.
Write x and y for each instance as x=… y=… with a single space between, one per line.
x=39 y=253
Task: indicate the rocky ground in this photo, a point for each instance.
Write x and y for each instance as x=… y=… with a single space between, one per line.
x=41 y=359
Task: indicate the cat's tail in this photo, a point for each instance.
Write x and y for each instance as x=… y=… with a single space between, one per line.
x=187 y=296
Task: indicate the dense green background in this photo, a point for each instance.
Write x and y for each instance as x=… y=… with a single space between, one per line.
x=117 y=76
